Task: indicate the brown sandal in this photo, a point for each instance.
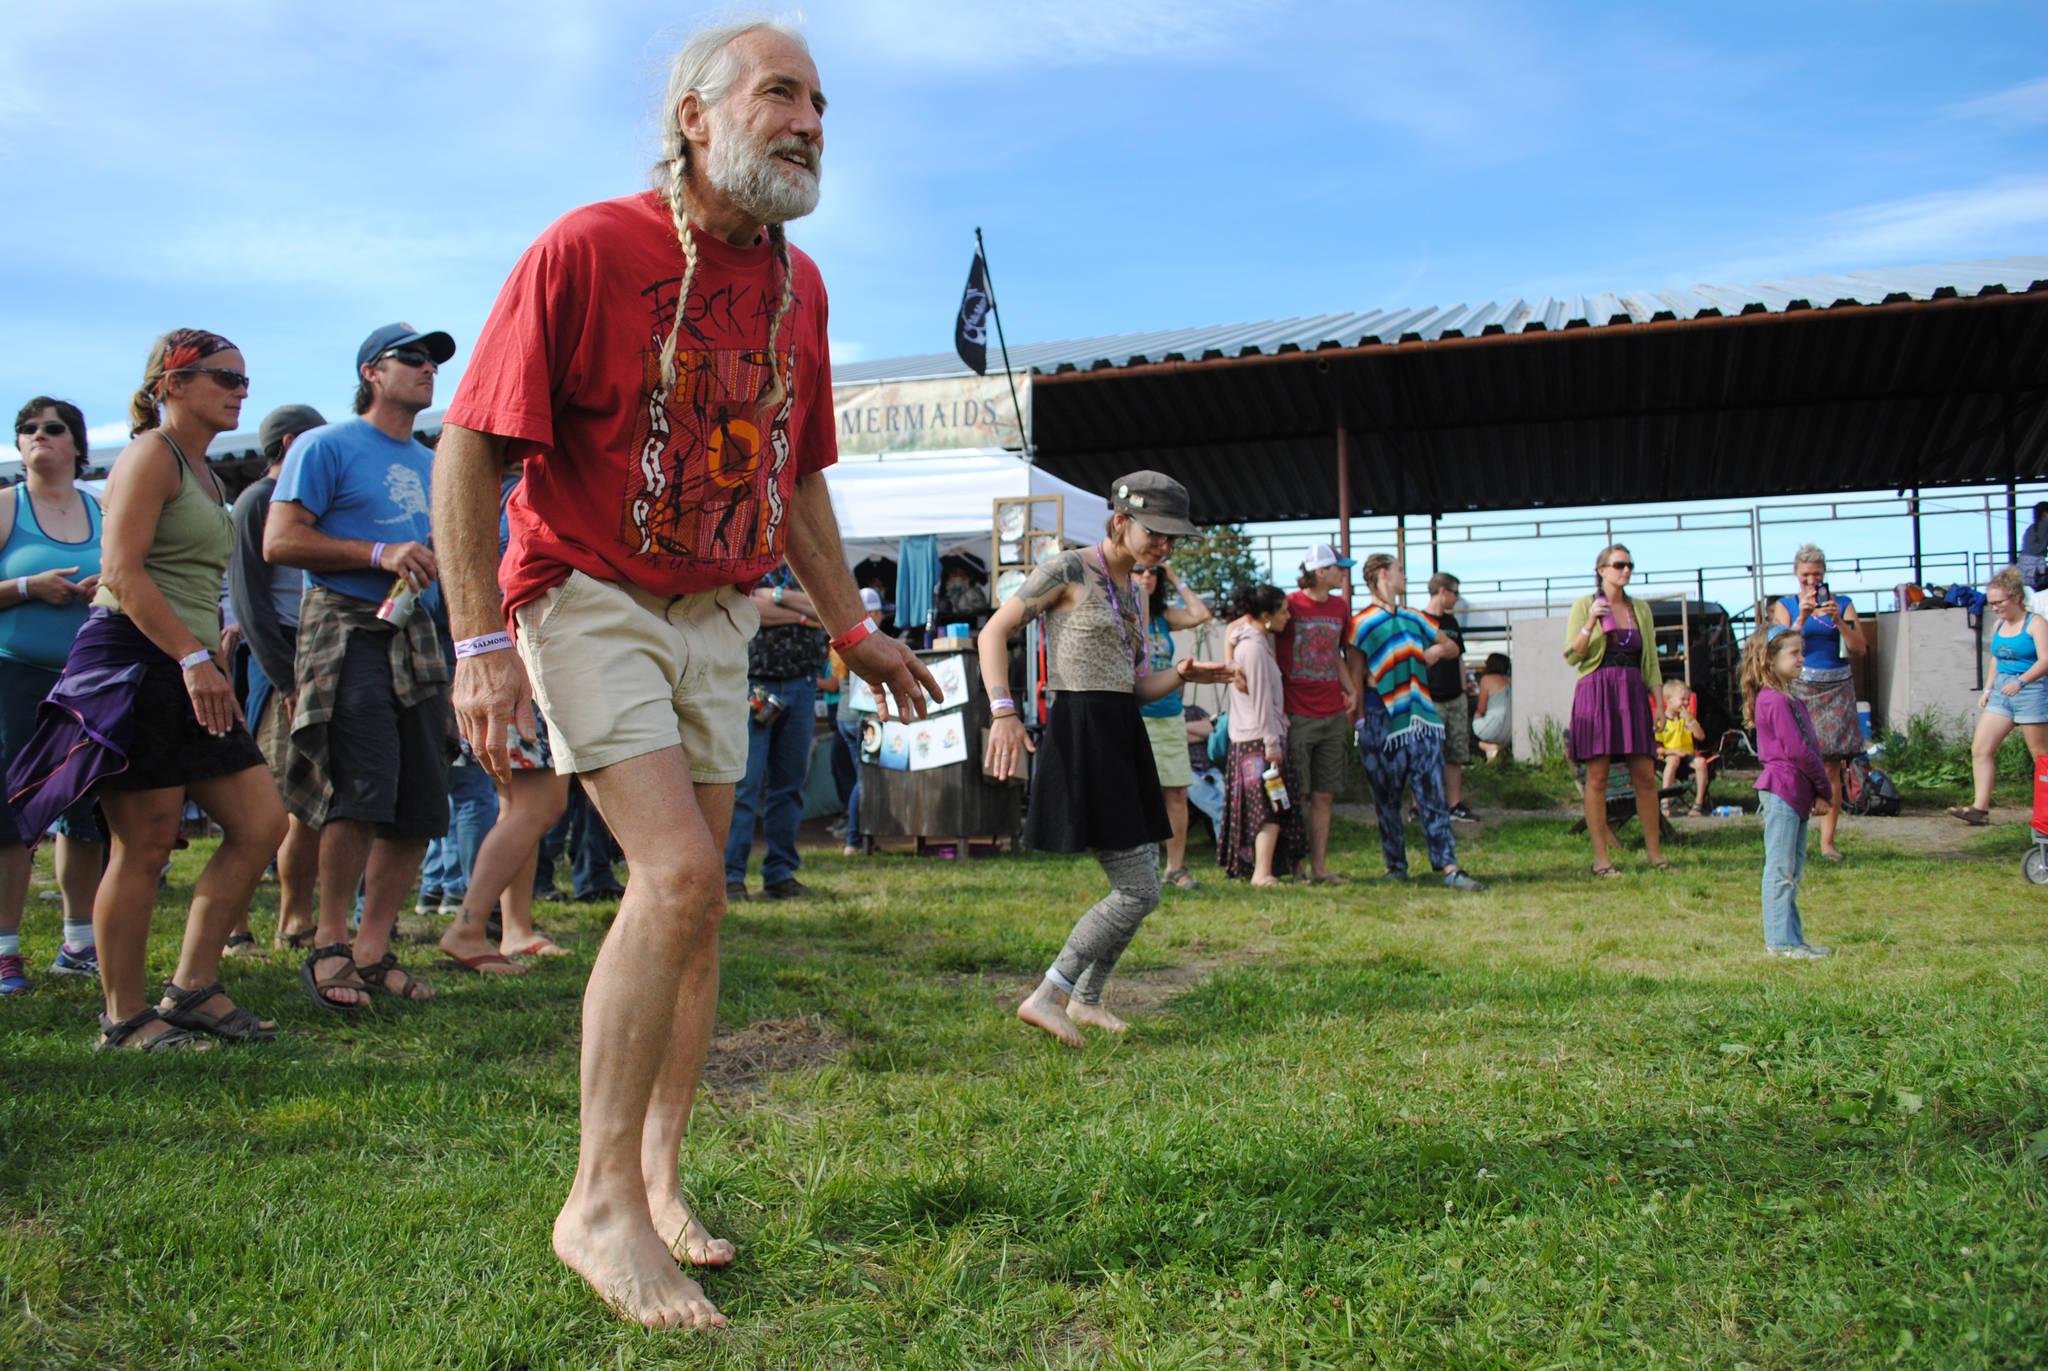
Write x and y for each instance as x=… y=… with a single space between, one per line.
x=377 y=977
x=318 y=986
x=1970 y=814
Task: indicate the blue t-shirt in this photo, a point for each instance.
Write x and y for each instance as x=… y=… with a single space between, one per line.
x=1159 y=643
x=358 y=482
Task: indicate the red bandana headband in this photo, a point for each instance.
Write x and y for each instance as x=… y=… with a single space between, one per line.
x=185 y=348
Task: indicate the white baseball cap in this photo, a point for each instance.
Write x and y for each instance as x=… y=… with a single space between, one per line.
x=871 y=600
x=1322 y=555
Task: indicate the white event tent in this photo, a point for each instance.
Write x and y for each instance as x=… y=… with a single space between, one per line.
x=948 y=494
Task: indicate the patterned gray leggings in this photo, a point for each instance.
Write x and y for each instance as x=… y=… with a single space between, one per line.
x=1106 y=930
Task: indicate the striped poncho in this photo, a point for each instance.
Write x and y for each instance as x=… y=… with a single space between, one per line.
x=1392 y=642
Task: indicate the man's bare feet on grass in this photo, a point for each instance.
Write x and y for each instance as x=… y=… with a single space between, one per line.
x=1044 y=1009
x=469 y=945
x=689 y=1242
x=627 y=1265
x=1095 y=1016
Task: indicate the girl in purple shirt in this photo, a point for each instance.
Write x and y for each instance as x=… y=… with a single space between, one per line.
x=1794 y=779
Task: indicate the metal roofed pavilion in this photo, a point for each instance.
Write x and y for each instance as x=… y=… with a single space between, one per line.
x=1911 y=376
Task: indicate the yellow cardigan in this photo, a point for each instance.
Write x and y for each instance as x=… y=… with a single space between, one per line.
x=1596 y=644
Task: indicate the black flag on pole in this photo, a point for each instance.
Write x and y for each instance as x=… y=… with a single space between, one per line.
x=970 y=330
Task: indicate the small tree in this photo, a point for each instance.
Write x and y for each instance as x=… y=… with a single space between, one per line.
x=1218 y=564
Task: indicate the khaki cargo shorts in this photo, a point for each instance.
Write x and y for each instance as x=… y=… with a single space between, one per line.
x=619 y=673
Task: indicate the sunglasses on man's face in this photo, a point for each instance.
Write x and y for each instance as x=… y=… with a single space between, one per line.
x=228 y=380
x=49 y=428
x=412 y=357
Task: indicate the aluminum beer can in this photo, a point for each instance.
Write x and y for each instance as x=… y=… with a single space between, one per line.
x=399 y=603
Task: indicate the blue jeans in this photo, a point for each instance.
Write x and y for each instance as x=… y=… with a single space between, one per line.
x=1416 y=762
x=848 y=723
x=1784 y=864
x=773 y=791
x=472 y=810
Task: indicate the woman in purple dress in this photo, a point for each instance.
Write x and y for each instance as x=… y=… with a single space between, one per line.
x=1614 y=712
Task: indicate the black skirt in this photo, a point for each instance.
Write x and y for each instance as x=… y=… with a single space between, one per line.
x=1094 y=784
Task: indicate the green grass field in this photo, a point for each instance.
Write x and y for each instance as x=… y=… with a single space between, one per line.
x=1566 y=1123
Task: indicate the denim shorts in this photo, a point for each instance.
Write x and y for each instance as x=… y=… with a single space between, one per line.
x=2030 y=706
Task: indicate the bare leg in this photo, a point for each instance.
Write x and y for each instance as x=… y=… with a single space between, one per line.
x=251 y=818
x=682 y=1067
x=15 y=868
x=2037 y=739
x=393 y=866
x=1263 y=847
x=1595 y=799
x=344 y=852
x=1177 y=816
x=1833 y=813
x=1319 y=805
x=1454 y=783
x=78 y=865
x=1046 y=1008
x=671 y=911
x=504 y=869
x=1702 y=772
x=1642 y=773
x=144 y=826
x=298 y=872
x=1991 y=731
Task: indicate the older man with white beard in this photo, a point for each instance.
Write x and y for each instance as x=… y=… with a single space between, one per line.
x=658 y=365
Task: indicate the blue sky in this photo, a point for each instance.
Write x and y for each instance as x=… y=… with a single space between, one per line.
x=294 y=174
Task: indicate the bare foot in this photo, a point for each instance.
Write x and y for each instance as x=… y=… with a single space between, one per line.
x=1095 y=1016
x=463 y=942
x=692 y=1243
x=539 y=945
x=1043 y=1010
x=627 y=1265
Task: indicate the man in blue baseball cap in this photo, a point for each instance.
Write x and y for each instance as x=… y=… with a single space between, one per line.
x=367 y=767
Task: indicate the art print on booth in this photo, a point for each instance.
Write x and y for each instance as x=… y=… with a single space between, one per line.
x=714 y=476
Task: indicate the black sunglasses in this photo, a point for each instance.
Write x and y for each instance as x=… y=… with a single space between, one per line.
x=1623 y=566
x=49 y=428
x=229 y=380
x=412 y=357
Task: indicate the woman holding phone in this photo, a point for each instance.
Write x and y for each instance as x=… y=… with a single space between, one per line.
x=1608 y=637
x=1830 y=630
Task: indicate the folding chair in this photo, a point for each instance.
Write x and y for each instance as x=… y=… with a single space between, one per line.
x=1621 y=801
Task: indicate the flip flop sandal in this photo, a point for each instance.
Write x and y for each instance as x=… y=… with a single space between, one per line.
x=543 y=946
x=238 y=1025
x=1607 y=872
x=346 y=981
x=1660 y=866
x=1179 y=876
x=376 y=975
x=115 y=1036
x=474 y=965
x=1332 y=879
x=237 y=944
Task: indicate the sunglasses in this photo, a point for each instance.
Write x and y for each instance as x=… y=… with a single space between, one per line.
x=49 y=428
x=1622 y=566
x=412 y=357
x=228 y=380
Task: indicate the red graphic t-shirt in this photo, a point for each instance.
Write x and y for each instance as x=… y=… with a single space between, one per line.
x=1311 y=653
x=674 y=493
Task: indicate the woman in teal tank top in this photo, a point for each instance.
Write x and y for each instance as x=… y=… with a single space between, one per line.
x=2017 y=696
x=1165 y=717
x=49 y=568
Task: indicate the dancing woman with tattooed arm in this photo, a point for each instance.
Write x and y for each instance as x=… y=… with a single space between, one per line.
x=1095 y=787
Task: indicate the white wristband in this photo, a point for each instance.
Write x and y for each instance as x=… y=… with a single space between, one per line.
x=377 y=555
x=194 y=658
x=500 y=641
x=21 y=586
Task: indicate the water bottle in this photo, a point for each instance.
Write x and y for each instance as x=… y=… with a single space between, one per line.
x=1276 y=789
x=1727 y=811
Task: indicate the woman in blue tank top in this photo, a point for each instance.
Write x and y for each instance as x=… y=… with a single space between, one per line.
x=1165 y=718
x=2018 y=693
x=1825 y=685
x=49 y=569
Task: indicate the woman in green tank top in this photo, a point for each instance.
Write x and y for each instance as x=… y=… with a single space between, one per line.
x=167 y=540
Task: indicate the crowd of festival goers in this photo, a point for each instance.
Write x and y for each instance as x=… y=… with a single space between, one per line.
x=284 y=665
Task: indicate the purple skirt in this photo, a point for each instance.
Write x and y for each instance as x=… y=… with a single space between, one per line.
x=1611 y=716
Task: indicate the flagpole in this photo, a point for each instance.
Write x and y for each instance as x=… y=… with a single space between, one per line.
x=1023 y=433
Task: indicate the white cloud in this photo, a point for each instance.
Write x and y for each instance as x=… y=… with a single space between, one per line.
x=2026 y=103
x=845 y=352
x=971 y=38
x=1944 y=223
x=106 y=437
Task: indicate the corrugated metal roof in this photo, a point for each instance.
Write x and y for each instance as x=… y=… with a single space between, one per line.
x=2007 y=274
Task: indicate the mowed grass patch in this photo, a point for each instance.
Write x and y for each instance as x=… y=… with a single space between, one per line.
x=1566 y=1122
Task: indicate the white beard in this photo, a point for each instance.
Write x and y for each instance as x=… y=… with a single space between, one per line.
x=751 y=174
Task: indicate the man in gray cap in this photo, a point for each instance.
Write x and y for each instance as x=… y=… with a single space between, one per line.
x=370 y=715
x=265 y=600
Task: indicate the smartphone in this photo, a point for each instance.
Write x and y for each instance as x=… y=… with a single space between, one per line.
x=1822 y=595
